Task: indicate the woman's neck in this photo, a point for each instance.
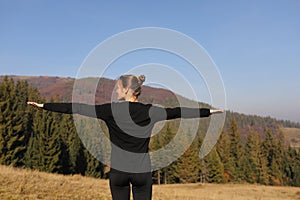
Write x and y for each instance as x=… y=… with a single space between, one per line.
x=133 y=99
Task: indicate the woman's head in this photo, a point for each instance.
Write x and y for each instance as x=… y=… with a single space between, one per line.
x=129 y=87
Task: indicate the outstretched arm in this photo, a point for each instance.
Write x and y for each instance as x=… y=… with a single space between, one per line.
x=98 y=111
x=190 y=112
x=160 y=113
x=184 y=112
x=55 y=107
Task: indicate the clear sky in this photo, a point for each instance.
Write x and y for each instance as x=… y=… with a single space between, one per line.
x=255 y=44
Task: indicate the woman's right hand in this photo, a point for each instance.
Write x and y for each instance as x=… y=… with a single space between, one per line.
x=216 y=111
x=38 y=105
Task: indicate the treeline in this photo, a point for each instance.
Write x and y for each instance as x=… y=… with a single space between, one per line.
x=38 y=139
x=263 y=160
x=49 y=141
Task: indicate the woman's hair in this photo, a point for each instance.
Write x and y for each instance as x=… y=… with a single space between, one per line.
x=133 y=82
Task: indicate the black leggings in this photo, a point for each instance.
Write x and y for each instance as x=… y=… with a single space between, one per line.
x=119 y=183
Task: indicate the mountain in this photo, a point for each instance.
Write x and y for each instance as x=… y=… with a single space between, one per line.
x=61 y=88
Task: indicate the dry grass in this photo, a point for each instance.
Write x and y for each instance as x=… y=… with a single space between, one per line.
x=225 y=192
x=26 y=184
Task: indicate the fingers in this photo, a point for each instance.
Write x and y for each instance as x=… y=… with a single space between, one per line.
x=31 y=103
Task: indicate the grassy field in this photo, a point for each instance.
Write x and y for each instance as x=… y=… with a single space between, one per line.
x=292 y=135
x=26 y=184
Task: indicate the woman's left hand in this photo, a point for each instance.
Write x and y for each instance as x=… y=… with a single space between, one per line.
x=38 y=105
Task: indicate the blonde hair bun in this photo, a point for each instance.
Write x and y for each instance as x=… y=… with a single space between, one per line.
x=141 y=79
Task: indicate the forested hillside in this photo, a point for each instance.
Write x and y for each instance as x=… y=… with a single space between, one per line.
x=251 y=148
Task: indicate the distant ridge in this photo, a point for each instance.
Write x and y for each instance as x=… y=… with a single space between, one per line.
x=53 y=86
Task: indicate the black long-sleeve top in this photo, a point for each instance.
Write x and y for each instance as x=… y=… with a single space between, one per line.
x=129 y=123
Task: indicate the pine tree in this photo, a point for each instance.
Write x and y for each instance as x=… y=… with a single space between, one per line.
x=22 y=129
x=223 y=149
x=6 y=90
x=263 y=169
x=14 y=128
x=78 y=159
x=236 y=151
x=268 y=151
x=291 y=167
x=296 y=179
x=159 y=141
x=280 y=146
x=216 y=169
x=187 y=166
x=94 y=167
x=251 y=158
x=68 y=133
x=52 y=156
x=49 y=142
x=32 y=154
x=89 y=150
x=168 y=171
x=156 y=143
x=272 y=150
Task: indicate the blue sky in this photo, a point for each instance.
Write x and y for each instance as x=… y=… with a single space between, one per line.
x=255 y=44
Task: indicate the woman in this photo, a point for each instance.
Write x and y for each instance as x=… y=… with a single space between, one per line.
x=130 y=124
